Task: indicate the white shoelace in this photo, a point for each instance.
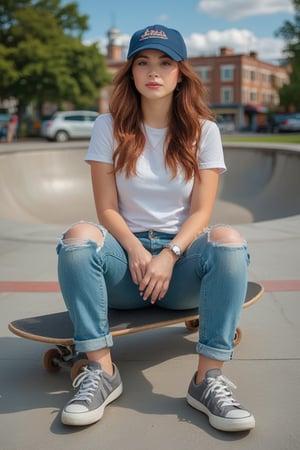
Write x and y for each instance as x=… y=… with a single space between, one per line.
x=88 y=380
x=221 y=386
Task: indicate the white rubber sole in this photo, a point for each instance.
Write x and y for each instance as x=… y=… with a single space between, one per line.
x=89 y=417
x=221 y=423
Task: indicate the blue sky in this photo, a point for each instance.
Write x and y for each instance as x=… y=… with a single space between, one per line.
x=206 y=25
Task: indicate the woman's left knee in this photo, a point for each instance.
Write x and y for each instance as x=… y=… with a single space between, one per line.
x=225 y=235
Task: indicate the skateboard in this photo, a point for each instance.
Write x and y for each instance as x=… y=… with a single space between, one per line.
x=57 y=328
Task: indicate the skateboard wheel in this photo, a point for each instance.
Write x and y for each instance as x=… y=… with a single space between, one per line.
x=51 y=358
x=192 y=325
x=237 y=337
x=77 y=368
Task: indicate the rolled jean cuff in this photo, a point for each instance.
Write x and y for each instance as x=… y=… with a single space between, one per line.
x=94 y=344
x=214 y=353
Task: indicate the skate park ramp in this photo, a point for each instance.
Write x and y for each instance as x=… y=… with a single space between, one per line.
x=52 y=184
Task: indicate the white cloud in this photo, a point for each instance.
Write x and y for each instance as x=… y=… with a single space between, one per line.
x=241 y=41
x=238 y=9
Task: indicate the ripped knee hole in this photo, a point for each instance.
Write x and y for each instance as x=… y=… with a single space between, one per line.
x=83 y=232
x=225 y=235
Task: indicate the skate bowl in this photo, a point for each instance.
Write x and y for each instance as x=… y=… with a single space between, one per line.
x=52 y=184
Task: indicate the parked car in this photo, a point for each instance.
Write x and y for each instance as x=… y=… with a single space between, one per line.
x=274 y=122
x=225 y=125
x=290 y=123
x=67 y=125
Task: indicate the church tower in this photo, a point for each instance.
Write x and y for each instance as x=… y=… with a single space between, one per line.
x=114 y=50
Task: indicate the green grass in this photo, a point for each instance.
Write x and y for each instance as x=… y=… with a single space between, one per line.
x=277 y=138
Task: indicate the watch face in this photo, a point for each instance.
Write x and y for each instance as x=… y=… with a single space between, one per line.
x=176 y=250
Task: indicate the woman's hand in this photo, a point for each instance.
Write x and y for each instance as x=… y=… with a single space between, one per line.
x=139 y=258
x=156 y=279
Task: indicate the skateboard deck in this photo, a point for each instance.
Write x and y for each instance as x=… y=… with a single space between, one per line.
x=57 y=328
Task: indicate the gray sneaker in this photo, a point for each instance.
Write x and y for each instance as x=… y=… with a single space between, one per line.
x=95 y=390
x=213 y=397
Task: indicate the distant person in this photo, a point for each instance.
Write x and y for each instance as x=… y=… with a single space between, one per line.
x=12 y=128
x=155 y=162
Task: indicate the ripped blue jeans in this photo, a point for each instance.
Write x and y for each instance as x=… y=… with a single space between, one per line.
x=210 y=275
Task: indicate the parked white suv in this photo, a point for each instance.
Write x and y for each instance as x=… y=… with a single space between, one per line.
x=69 y=125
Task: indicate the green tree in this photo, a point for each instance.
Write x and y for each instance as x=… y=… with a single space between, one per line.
x=42 y=57
x=290 y=31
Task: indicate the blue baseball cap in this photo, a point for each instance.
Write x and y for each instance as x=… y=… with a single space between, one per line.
x=158 y=37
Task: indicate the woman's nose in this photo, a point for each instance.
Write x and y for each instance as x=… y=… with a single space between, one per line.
x=152 y=73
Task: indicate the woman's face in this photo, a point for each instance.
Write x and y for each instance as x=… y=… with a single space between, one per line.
x=155 y=74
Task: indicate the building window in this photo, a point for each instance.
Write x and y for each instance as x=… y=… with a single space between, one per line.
x=204 y=73
x=227 y=72
x=226 y=95
x=248 y=74
x=253 y=96
x=266 y=77
x=252 y=75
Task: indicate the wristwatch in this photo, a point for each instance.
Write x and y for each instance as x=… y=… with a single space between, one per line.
x=174 y=248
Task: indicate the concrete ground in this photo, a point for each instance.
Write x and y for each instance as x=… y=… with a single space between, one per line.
x=157 y=365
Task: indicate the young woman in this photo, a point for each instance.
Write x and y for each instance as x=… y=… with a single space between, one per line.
x=155 y=162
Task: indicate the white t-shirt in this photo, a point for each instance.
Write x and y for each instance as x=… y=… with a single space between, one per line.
x=152 y=200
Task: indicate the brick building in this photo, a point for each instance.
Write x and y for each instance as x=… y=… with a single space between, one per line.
x=240 y=88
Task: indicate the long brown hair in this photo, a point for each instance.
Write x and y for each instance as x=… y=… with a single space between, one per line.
x=184 y=129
